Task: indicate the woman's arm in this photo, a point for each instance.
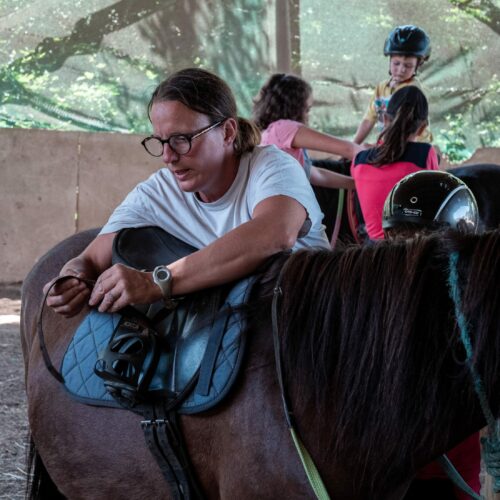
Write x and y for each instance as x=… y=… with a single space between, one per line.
x=326 y=178
x=274 y=227
x=364 y=129
x=68 y=297
x=312 y=139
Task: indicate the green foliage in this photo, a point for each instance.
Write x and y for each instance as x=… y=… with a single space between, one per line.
x=477 y=9
x=452 y=141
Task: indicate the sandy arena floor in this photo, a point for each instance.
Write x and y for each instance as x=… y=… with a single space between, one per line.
x=13 y=421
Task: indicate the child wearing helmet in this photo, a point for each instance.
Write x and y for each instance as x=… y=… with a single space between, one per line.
x=408 y=47
x=281 y=111
x=428 y=201
x=420 y=203
x=377 y=170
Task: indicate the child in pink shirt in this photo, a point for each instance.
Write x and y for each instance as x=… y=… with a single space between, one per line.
x=281 y=111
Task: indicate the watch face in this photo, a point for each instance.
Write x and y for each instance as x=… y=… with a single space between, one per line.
x=162 y=274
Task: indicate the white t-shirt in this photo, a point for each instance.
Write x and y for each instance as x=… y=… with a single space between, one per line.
x=262 y=173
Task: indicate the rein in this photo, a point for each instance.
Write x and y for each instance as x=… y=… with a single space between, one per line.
x=41 y=338
x=307 y=462
x=338 y=218
x=491 y=444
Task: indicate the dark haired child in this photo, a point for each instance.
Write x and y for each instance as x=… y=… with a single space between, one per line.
x=377 y=170
x=281 y=112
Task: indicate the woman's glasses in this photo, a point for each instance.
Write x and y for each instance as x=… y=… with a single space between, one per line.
x=178 y=143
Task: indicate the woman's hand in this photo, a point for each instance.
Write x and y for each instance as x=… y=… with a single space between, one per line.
x=121 y=285
x=69 y=296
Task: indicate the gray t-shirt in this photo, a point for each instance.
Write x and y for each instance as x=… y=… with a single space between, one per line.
x=263 y=173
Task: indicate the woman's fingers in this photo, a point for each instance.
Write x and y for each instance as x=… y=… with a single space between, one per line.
x=120 y=286
x=111 y=302
x=74 y=305
x=64 y=292
x=104 y=284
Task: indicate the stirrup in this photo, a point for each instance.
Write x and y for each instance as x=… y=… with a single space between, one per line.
x=128 y=362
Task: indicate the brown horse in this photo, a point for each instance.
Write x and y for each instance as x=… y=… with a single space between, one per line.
x=374 y=368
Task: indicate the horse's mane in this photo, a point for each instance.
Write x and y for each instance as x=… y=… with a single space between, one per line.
x=369 y=342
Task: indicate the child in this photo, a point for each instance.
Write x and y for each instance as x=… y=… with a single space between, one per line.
x=428 y=201
x=281 y=112
x=377 y=170
x=408 y=48
x=420 y=203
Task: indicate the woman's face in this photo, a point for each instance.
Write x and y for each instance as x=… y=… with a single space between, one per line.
x=402 y=68
x=210 y=167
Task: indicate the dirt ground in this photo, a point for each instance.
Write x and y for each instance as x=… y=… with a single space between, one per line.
x=13 y=420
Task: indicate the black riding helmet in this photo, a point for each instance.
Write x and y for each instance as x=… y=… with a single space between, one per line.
x=408 y=40
x=431 y=199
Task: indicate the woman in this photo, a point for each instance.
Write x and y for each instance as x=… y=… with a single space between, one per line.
x=219 y=192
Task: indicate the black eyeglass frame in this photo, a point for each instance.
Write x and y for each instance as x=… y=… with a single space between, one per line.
x=189 y=138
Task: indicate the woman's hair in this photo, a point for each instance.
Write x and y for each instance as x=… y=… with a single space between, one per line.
x=408 y=111
x=207 y=94
x=283 y=97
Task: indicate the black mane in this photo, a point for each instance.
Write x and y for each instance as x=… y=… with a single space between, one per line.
x=370 y=345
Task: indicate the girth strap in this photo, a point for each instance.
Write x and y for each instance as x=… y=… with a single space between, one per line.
x=166 y=443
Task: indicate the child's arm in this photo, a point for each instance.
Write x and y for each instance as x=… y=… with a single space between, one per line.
x=311 y=139
x=326 y=178
x=364 y=129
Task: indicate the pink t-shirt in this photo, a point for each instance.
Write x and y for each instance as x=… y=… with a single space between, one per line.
x=373 y=184
x=281 y=134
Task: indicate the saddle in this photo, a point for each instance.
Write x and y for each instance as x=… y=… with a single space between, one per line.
x=159 y=362
x=190 y=355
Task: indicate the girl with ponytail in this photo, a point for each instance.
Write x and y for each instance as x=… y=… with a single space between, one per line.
x=377 y=170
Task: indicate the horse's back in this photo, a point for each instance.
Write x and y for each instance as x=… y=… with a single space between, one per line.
x=483 y=179
x=44 y=270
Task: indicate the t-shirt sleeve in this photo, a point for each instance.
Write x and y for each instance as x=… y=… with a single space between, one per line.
x=135 y=210
x=281 y=133
x=276 y=173
x=432 y=160
x=371 y=112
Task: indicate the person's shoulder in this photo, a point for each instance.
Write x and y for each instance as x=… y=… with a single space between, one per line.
x=284 y=125
x=270 y=161
x=382 y=86
x=423 y=147
x=266 y=153
x=364 y=156
x=413 y=82
x=417 y=153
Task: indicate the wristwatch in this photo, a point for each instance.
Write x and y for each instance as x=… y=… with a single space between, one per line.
x=162 y=276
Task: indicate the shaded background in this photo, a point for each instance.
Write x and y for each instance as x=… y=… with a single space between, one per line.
x=92 y=64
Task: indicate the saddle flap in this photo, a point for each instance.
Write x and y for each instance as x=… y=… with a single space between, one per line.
x=148 y=247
